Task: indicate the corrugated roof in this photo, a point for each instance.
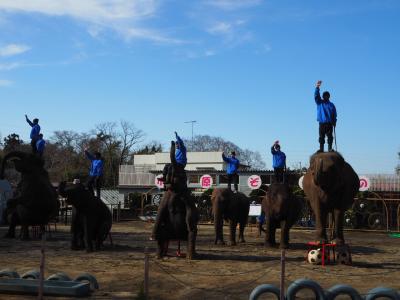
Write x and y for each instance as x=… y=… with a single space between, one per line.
x=110 y=196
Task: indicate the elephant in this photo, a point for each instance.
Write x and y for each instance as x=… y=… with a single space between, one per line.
x=35 y=200
x=227 y=205
x=91 y=218
x=281 y=208
x=177 y=215
x=330 y=185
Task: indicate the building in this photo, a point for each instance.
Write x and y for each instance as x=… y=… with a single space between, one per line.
x=141 y=176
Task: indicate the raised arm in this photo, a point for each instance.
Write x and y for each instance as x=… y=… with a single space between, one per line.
x=317 y=96
x=226 y=159
x=273 y=151
x=88 y=155
x=172 y=153
x=179 y=140
x=29 y=121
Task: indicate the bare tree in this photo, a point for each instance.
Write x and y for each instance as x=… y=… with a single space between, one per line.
x=118 y=142
x=398 y=166
x=206 y=143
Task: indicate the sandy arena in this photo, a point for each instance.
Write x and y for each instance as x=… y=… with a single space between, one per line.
x=220 y=272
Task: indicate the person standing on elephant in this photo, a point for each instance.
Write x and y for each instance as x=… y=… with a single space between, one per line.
x=278 y=162
x=326 y=116
x=96 y=172
x=40 y=145
x=35 y=131
x=180 y=157
x=232 y=170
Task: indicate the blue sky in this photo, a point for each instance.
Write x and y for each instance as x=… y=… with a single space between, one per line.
x=245 y=70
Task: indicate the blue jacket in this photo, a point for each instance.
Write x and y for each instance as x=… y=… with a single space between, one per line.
x=233 y=164
x=180 y=154
x=278 y=158
x=34 y=131
x=40 y=145
x=326 y=110
x=96 y=167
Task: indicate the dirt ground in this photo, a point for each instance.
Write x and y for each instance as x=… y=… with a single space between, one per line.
x=220 y=272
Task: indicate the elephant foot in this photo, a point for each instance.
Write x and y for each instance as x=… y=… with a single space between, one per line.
x=76 y=248
x=338 y=242
x=9 y=235
x=242 y=241
x=25 y=238
x=191 y=256
x=283 y=246
x=219 y=242
x=270 y=244
x=232 y=243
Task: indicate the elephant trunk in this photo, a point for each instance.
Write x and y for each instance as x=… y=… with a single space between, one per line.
x=12 y=155
x=319 y=170
x=61 y=189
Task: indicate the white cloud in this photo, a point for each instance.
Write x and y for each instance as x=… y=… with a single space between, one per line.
x=225 y=28
x=220 y=28
x=122 y=16
x=233 y=4
x=13 y=49
x=5 y=82
x=210 y=53
x=9 y=66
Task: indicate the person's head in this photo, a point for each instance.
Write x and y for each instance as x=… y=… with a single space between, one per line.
x=40 y=136
x=97 y=155
x=326 y=96
x=277 y=147
x=233 y=153
x=35 y=121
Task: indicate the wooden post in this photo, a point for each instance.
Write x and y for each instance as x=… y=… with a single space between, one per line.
x=146 y=273
x=41 y=277
x=282 y=284
x=118 y=211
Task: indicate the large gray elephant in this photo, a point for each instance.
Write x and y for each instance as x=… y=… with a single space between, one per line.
x=35 y=200
x=232 y=207
x=330 y=185
x=91 y=218
x=282 y=209
x=177 y=215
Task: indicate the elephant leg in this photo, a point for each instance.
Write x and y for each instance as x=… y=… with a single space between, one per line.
x=284 y=234
x=270 y=229
x=162 y=248
x=339 y=217
x=232 y=227
x=87 y=234
x=25 y=232
x=162 y=210
x=242 y=226
x=192 y=231
x=23 y=214
x=321 y=219
x=13 y=220
x=218 y=226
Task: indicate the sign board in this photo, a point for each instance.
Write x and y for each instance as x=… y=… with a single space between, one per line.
x=159 y=182
x=206 y=181
x=254 y=182
x=365 y=184
x=255 y=210
x=301 y=182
